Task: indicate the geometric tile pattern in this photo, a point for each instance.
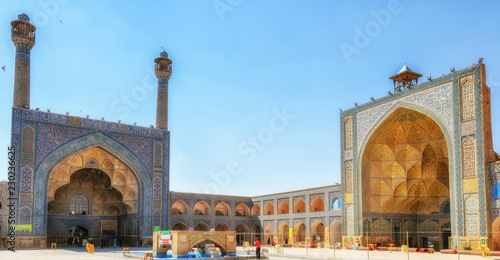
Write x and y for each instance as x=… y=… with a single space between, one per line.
x=26 y=175
x=28 y=140
x=22 y=81
x=381 y=227
x=157 y=187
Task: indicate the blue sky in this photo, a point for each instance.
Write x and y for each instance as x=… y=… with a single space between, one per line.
x=238 y=64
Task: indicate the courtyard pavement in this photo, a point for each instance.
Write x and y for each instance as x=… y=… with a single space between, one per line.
x=289 y=253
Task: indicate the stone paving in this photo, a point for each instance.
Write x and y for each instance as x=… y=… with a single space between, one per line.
x=289 y=253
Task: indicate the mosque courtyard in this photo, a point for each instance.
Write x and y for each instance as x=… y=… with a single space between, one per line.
x=289 y=253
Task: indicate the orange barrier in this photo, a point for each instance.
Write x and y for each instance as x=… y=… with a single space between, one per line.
x=148 y=256
x=126 y=251
x=90 y=248
x=53 y=246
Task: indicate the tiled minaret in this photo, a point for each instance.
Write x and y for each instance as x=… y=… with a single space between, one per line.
x=163 y=71
x=23 y=37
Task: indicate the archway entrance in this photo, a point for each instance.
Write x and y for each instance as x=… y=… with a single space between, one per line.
x=405 y=174
x=268 y=234
x=242 y=234
x=76 y=235
x=335 y=232
x=299 y=233
x=95 y=191
x=317 y=232
x=256 y=233
x=283 y=233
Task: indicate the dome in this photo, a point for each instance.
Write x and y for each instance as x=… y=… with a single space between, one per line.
x=164 y=54
x=23 y=17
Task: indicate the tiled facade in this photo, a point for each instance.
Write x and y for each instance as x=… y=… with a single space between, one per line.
x=421 y=158
x=259 y=214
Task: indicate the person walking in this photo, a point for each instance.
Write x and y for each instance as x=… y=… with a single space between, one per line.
x=257 y=250
x=114 y=241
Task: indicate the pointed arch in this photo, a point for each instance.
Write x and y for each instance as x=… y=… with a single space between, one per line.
x=222 y=209
x=180 y=208
x=28 y=142
x=299 y=206
x=46 y=168
x=222 y=227
x=283 y=208
x=201 y=208
x=317 y=205
x=179 y=226
x=242 y=210
x=268 y=209
x=201 y=227
x=255 y=210
x=336 y=203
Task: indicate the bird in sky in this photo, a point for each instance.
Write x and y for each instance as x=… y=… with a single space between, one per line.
x=3 y=68
x=60 y=20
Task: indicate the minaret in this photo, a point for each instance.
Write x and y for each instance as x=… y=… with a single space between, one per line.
x=163 y=71
x=23 y=37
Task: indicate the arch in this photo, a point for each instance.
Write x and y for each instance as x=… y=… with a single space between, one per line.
x=268 y=234
x=495 y=191
x=283 y=208
x=208 y=240
x=317 y=205
x=78 y=231
x=179 y=226
x=25 y=215
x=283 y=233
x=418 y=142
x=317 y=232
x=222 y=227
x=241 y=210
x=256 y=232
x=242 y=233
x=255 y=210
x=222 y=209
x=28 y=144
x=201 y=208
x=180 y=208
x=335 y=232
x=336 y=203
x=268 y=209
x=299 y=232
x=201 y=227
x=299 y=206
x=47 y=169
